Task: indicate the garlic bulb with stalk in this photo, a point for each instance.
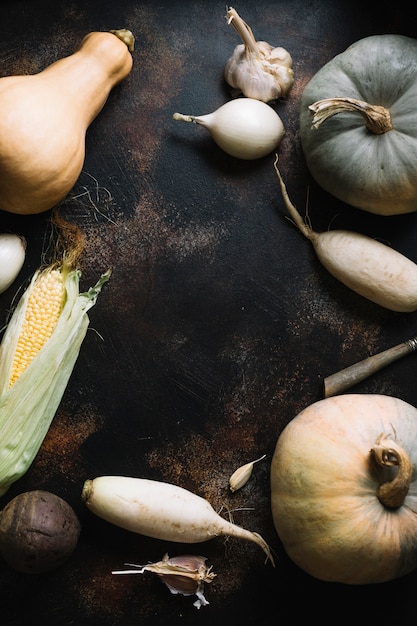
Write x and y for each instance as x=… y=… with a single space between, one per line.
x=12 y=257
x=256 y=68
x=245 y=128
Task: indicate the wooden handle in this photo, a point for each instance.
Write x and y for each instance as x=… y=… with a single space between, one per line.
x=346 y=378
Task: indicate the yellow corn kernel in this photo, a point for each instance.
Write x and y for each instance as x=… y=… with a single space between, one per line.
x=42 y=313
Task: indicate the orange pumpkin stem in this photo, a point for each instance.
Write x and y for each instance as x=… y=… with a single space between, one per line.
x=388 y=452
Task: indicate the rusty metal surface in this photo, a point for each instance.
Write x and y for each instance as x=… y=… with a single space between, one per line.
x=218 y=324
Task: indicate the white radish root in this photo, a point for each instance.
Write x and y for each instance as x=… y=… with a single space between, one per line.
x=160 y=510
x=365 y=265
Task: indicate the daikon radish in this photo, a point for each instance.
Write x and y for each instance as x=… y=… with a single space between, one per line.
x=365 y=265
x=160 y=510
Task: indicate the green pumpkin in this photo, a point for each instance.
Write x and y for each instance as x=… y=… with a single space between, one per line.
x=362 y=147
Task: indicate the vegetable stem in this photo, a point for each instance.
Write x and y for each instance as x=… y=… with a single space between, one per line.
x=183 y=118
x=244 y=31
x=353 y=374
x=377 y=118
x=388 y=453
x=126 y=36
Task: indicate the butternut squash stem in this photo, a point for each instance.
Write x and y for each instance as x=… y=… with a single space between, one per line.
x=377 y=118
x=387 y=452
x=126 y=36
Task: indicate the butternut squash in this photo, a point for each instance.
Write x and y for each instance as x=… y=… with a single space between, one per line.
x=44 y=118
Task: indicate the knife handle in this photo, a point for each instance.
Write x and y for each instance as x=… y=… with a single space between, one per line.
x=346 y=378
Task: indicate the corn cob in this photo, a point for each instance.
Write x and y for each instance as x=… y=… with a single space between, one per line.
x=43 y=308
x=37 y=355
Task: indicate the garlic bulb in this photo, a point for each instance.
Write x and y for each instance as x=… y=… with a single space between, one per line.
x=12 y=257
x=184 y=574
x=245 y=128
x=256 y=68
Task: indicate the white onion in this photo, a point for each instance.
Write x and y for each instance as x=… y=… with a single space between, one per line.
x=12 y=257
x=245 y=128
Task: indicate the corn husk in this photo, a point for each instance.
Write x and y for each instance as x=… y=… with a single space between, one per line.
x=29 y=406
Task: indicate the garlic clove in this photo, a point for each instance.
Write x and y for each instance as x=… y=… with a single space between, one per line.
x=240 y=477
x=12 y=258
x=183 y=575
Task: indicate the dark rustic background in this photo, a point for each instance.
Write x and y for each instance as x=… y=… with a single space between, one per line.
x=218 y=324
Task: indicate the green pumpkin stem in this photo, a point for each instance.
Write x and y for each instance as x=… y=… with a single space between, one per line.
x=377 y=118
x=388 y=452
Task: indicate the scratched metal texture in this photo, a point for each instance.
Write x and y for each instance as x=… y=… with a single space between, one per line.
x=218 y=324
